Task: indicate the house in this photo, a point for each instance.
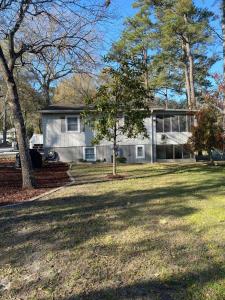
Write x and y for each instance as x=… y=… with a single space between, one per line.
x=36 y=141
x=168 y=130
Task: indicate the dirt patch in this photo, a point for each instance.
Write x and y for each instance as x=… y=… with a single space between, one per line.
x=115 y=177
x=51 y=175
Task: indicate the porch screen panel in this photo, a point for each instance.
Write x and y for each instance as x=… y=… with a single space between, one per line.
x=175 y=123
x=160 y=152
x=183 y=124
x=159 y=124
x=167 y=124
x=169 y=151
x=190 y=122
x=186 y=152
x=178 y=151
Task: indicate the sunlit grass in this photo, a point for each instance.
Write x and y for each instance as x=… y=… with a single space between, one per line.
x=157 y=234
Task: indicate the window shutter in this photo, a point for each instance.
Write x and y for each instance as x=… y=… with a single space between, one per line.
x=63 y=124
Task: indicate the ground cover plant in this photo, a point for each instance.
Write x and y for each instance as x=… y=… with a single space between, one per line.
x=51 y=175
x=158 y=235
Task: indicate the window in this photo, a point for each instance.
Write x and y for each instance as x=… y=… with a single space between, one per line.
x=140 y=151
x=160 y=152
x=73 y=124
x=167 y=124
x=173 y=152
x=169 y=151
x=175 y=123
x=190 y=122
x=183 y=124
x=159 y=124
x=186 y=152
x=90 y=153
x=178 y=151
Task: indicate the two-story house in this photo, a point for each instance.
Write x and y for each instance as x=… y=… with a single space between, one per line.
x=168 y=131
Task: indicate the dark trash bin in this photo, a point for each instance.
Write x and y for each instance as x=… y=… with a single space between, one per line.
x=36 y=159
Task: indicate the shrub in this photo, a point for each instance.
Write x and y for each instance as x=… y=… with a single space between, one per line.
x=122 y=160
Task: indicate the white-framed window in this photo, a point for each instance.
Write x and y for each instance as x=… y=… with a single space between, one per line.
x=140 y=151
x=73 y=124
x=89 y=153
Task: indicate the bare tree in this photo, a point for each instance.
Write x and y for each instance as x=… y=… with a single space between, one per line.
x=54 y=64
x=28 y=28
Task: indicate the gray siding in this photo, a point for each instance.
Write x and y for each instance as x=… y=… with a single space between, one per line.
x=103 y=153
x=70 y=145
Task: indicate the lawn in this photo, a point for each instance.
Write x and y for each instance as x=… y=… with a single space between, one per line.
x=157 y=234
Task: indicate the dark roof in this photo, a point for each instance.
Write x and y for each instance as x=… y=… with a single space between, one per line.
x=65 y=108
x=73 y=108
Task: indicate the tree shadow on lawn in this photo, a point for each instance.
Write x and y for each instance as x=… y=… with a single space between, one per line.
x=177 y=287
x=138 y=173
x=62 y=224
x=67 y=222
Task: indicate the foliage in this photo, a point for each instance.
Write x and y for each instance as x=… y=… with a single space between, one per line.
x=172 y=38
x=75 y=90
x=208 y=134
x=120 y=104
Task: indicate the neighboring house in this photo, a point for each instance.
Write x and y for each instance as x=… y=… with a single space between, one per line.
x=168 y=131
x=36 y=141
x=11 y=135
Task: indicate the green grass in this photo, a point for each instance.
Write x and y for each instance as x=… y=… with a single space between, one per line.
x=157 y=234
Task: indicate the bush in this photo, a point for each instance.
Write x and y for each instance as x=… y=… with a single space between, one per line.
x=121 y=160
x=81 y=160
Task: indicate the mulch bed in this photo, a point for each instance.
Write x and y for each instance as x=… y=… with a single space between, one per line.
x=115 y=177
x=51 y=175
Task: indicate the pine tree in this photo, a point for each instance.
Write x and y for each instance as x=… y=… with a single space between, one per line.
x=176 y=35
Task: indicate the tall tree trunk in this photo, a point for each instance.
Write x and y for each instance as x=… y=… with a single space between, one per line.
x=190 y=68
x=166 y=98
x=46 y=88
x=191 y=76
x=114 y=150
x=13 y=98
x=145 y=54
x=4 y=127
x=187 y=84
x=27 y=173
x=223 y=33
x=187 y=78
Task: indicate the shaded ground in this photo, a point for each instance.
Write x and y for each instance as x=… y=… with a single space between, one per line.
x=160 y=235
x=50 y=176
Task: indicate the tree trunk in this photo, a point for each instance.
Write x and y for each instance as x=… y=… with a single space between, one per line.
x=166 y=99
x=190 y=68
x=223 y=33
x=187 y=84
x=13 y=98
x=191 y=76
x=114 y=151
x=46 y=88
x=27 y=174
x=145 y=54
x=4 y=127
x=187 y=78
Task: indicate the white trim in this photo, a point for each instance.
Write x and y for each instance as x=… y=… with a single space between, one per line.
x=143 y=148
x=78 y=123
x=84 y=158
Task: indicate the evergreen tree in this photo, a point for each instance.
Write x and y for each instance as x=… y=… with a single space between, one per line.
x=176 y=35
x=119 y=105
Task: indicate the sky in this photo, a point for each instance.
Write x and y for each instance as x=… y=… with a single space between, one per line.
x=123 y=9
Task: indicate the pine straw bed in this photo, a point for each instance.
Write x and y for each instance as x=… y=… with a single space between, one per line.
x=51 y=175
